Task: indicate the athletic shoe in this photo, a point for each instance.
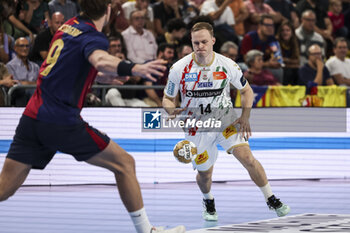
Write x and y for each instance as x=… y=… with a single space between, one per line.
x=178 y=229
x=209 y=213
x=276 y=205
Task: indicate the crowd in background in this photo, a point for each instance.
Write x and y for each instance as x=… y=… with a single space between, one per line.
x=275 y=42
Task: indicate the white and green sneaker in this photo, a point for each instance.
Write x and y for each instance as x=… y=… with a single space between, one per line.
x=276 y=205
x=209 y=212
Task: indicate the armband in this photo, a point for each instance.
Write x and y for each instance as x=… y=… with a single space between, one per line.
x=124 y=68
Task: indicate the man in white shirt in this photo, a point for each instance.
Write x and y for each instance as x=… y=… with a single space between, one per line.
x=219 y=11
x=142 y=5
x=140 y=43
x=339 y=65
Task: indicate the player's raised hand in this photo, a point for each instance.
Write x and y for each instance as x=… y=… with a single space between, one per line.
x=156 y=67
x=244 y=127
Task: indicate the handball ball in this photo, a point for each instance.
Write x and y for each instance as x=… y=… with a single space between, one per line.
x=184 y=151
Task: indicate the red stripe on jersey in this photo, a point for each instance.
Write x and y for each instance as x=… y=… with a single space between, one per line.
x=186 y=70
x=97 y=139
x=88 y=82
x=35 y=102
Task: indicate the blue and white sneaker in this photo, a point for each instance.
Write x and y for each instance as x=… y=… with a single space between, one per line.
x=276 y=205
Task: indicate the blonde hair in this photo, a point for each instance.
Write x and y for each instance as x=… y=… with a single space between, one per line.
x=203 y=25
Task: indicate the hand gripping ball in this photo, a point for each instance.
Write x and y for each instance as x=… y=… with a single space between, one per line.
x=184 y=151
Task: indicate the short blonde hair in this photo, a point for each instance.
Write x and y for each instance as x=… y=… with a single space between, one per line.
x=203 y=25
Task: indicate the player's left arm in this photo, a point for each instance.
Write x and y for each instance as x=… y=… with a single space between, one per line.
x=247 y=98
x=108 y=64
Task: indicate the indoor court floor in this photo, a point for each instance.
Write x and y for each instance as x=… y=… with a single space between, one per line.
x=98 y=208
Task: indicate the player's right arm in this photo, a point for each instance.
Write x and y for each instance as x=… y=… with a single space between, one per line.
x=108 y=64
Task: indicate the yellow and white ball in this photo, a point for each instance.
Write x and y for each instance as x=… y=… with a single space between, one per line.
x=184 y=151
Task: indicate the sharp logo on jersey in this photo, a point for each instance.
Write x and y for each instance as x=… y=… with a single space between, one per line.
x=205 y=84
x=202 y=158
x=243 y=81
x=204 y=93
x=170 y=88
x=191 y=77
x=219 y=75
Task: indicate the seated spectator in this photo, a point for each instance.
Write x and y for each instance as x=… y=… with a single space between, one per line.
x=23 y=70
x=337 y=18
x=240 y=12
x=117 y=47
x=323 y=25
x=183 y=50
x=12 y=26
x=176 y=29
x=117 y=22
x=307 y=35
x=66 y=7
x=256 y=9
x=35 y=13
x=42 y=41
x=6 y=82
x=314 y=71
x=290 y=53
x=142 y=5
x=285 y=11
x=154 y=97
x=230 y=50
x=140 y=43
x=339 y=65
x=256 y=75
x=5 y=45
x=264 y=40
x=223 y=18
x=164 y=11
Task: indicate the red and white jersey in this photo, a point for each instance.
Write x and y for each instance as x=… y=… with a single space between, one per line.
x=201 y=86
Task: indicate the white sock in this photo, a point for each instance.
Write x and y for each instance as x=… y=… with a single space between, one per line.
x=208 y=196
x=141 y=221
x=266 y=190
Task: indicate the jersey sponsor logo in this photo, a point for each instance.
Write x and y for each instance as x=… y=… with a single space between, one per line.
x=229 y=131
x=243 y=81
x=191 y=77
x=201 y=158
x=170 y=88
x=205 y=84
x=204 y=93
x=220 y=75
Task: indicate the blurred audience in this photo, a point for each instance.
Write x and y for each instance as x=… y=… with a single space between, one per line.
x=23 y=70
x=140 y=43
x=290 y=52
x=240 y=12
x=256 y=9
x=285 y=10
x=183 y=50
x=66 y=7
x=339 y=65
x=230 y=50
x=314 y=71
x=142 y=5
x=164 y=11
x=256 y=74
x=336 y=16
x=36 y=15
x=42 y=41
x=176 y=30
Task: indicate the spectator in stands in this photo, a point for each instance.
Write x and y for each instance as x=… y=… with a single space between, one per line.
x=285 y=11
x=66 y=7
x=6 y=79
x=290 y=52
x=188 y=10
x=164 y=11
x=5 y=44
x=337 y=18
x=256 y=74
x=154 y=97
x=23 y=70
x=256 y=9
x=42 y=41
x=142 y=5
x=117 y=47
x=176 y=29
x=36 y=13
x=230 y=49
x=11 y=25
x=314 y=71
x=220 y=12
x=307 y=35
x=323 y=25
x=140 y=43
x=339 y=65
x=118 y=21
x=240 y=12
x=264 y=40
x=183 y=50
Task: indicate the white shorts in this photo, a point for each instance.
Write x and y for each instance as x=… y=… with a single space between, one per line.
x=206 y=142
